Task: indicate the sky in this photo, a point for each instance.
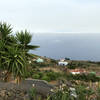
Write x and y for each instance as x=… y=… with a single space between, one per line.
x=48 y=16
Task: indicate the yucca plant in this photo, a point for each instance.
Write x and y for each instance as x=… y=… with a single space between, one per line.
x=24 y=39
x=5 y=30
x=14 y=62
x=14 y=51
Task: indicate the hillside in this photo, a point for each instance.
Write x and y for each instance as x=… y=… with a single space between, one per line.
x=48 y=75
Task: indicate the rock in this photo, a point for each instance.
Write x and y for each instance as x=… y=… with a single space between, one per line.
x=11 y=91
x=42 y=87
x=26 y=97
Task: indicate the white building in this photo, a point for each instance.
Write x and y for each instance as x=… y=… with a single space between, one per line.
x=39 y=60
x=74 y=73
x=62 y=63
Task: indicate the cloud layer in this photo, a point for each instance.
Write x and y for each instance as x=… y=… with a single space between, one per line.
x=82 y=16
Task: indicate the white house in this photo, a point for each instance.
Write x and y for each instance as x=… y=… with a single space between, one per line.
x=74 y=73
x=62 y=63
x=39 y=60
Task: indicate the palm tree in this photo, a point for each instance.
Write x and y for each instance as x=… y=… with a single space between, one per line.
x=14 y=51
x=5 y=30
x=2 y=49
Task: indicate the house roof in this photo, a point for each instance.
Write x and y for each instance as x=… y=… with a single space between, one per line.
x=78 y=70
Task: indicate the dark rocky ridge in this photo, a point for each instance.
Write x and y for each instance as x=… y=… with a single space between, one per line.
x=11 y=91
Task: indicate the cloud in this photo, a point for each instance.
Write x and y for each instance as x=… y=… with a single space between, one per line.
x=52 y=15
x=57 y=41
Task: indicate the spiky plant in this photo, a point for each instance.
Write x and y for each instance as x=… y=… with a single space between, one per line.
x=14 y=62
x=24 y=38
x=14 y=51
x=5 y=30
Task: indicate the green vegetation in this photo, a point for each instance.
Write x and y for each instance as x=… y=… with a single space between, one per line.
x=32 y=93
x=78 y=64
x=45 y=75
x=84 y=77
x=15 y=58
x=77 y=92
x=14 y=51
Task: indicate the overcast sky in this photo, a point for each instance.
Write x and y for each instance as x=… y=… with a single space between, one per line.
x=82 y=16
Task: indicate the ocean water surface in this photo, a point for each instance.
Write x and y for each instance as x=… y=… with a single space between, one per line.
x=73 y=46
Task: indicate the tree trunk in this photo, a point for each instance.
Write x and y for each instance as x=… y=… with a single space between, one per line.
x=8 y=77
x=18 y=80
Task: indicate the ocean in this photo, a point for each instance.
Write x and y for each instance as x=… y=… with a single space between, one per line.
x=73 y=46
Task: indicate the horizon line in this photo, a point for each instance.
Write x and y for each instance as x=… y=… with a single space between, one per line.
x=65 y=32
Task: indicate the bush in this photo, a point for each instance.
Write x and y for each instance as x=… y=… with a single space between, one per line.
x=32 y=93
x=36 y=76
x=41 y=74
x=52 y=75
x=72 y=65
x=84 y=77
x=53 y=61
x=83 y=92
x=46 y=78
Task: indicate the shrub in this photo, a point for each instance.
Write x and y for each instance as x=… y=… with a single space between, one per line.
x=60 y=95
x=53 y=61
x=84 y=77
x=46 y=78
x=98 y=93
x=72 y=65
x=41 y=74
x=36 y=76
x=83 y=92
x=32 y=94
x=52 y=75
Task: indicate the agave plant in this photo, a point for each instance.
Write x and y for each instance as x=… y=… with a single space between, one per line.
x=24 y=39
x=14 y=62
x=5 y=30
x=14 y=51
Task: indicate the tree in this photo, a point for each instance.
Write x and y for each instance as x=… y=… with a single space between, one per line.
x=14 y=62
x=14 y=51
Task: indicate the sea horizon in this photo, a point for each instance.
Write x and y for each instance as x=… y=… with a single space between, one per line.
x=74 y=46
